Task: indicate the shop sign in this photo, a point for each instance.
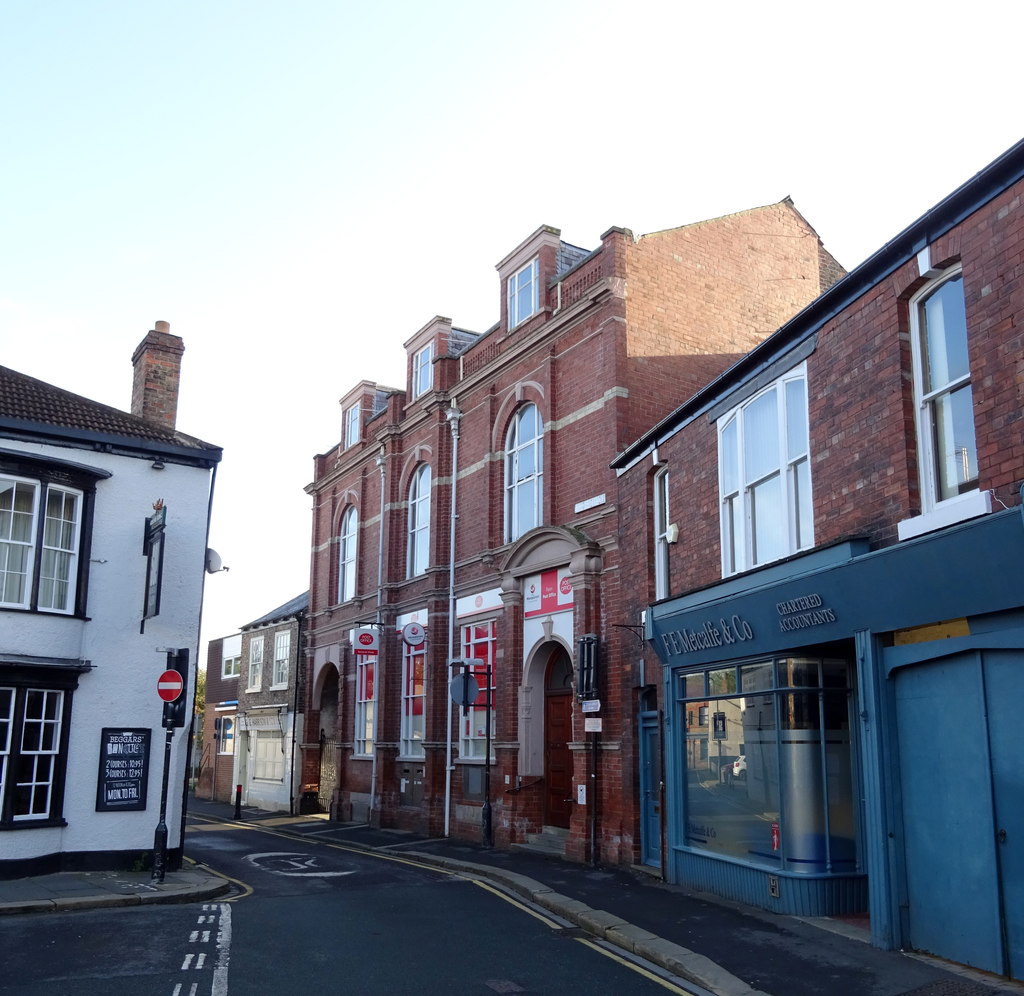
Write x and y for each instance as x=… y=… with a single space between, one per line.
x=803 y=612
x=711 y=635
x=546 y=593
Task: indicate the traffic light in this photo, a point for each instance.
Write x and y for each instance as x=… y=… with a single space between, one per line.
x=176 y=711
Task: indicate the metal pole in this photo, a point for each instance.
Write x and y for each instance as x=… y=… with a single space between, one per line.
x=488 y=831
x=380 y=635
x=453 y=415
x=160 y=836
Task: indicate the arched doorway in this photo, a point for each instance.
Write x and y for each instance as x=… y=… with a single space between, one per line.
x=557 y=735
x=328 y=740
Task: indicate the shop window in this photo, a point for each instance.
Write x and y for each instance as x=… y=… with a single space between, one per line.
x=478 y=650
x=413 y=699
x=770 y=781
x=225 y=732
x=765 y=476
x=365 y=703
x=268 y=755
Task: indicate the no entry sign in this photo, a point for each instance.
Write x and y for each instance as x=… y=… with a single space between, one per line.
x=169 y=685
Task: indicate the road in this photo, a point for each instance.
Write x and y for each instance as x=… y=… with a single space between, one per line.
x=312 y=915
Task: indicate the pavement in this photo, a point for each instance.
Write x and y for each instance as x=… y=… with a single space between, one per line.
x=719 y=947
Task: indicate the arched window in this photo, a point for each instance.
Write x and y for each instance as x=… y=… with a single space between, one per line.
x=347 y=555
x=524 y=470
x=419 y=521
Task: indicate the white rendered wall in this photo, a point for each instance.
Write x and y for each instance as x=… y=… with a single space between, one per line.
x=120 y=690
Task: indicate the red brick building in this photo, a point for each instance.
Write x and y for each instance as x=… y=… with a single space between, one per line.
x=841 y=650
x=473 y=516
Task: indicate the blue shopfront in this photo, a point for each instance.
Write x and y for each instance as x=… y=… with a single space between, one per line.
x=838 y=738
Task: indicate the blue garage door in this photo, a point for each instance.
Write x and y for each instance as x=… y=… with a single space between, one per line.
x=963 y=814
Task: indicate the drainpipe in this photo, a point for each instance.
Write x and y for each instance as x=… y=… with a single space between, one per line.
x=379 y=460
x=300 y=654
x=453 y=415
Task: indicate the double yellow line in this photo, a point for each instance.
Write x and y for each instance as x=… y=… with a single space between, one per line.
x=247 y=890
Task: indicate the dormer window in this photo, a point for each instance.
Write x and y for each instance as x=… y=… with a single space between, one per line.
x=523 y=296
x=352 y=426
x=423 y=371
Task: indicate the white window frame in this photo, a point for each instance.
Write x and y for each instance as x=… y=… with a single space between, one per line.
x=418 y=555
x=524 y=475
x=353 y=425
x=58 y=536
x=937 y=510
x=414 y=700
x=422 y=370
x=365 y=704
x=660 y=510
x=255 y=677
x=347 y=545
x=32 y=756
x=231 y=667
x=479 y=650
x=739 y=485
x=267 y=755
x=226 y=741
x=282 y=651
x=523 y=293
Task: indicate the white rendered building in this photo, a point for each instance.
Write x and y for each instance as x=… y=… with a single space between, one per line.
x=103 y=546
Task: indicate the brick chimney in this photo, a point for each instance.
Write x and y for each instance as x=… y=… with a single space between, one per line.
x=157 y=363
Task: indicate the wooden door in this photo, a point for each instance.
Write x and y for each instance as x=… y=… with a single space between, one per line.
x=558 y=757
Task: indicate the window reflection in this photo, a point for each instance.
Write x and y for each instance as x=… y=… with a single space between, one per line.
x=769 y=775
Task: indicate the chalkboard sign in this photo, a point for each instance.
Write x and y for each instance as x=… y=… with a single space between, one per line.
x=124 y=770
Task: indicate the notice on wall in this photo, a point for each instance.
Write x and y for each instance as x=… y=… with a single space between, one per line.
x=124 y=770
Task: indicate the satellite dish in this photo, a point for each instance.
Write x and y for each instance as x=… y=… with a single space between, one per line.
x=213 y=561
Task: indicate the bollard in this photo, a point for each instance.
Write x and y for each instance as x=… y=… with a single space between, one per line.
x=238 y=802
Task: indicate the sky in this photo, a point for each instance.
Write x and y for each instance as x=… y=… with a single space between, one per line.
x=298 y=187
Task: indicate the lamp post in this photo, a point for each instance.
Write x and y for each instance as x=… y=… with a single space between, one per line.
x=454 y=416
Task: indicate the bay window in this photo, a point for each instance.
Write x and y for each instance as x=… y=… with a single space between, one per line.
x=33 y=753
x=40 y=536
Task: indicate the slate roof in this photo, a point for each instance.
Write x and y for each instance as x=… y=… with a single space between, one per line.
x=36 y=408
x=298 y=604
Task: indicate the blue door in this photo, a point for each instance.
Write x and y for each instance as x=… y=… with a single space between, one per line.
x=962 y=785
x=650 y=789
